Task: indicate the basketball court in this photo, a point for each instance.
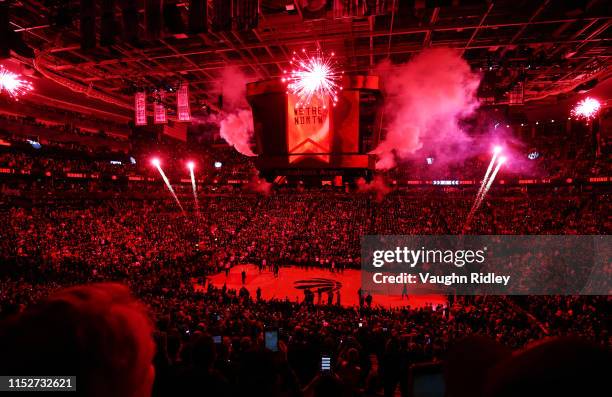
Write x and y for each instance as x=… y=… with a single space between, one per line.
x=292 y=281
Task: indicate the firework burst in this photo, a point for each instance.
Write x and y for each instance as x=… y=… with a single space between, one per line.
x=316 y=76
x=13 y=84
x=586 y=109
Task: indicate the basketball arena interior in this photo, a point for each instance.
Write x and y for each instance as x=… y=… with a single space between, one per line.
x=306 y=198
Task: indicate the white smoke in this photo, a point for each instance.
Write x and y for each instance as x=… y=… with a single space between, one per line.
x=237 y=130
x=425 y=99
x=236 y=118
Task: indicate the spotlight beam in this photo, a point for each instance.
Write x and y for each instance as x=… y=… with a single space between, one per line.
x=167 y=182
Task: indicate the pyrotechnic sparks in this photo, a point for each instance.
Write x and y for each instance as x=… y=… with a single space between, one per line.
x=586 y=109
x=13 y=84
x=496 y=152
x=314 y=77
x=487 y=182
x=157 y=164
x=500 y=162
x=191 y=166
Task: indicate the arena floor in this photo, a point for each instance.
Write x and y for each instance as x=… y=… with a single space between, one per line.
x=292 y=281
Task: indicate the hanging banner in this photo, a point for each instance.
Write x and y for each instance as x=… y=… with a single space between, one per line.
x=140 y=108
x=182 y=101
x=308 y=130
x=159 y=109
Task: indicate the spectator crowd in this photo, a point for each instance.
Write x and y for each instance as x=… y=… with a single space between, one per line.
x=209 y=340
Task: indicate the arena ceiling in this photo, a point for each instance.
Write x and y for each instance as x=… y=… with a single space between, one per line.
x=544 y=46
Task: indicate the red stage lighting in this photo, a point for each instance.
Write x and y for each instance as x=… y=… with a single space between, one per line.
x=155 y=161
x=190 y=165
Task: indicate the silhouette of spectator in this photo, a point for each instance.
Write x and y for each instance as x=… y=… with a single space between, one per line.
x=197 y=373
x=553 y=367
x=468 y=362
x=98 y=333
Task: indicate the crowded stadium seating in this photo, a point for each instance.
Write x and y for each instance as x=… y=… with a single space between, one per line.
x=122 y=226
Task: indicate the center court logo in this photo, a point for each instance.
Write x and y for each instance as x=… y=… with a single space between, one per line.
x=323 y=284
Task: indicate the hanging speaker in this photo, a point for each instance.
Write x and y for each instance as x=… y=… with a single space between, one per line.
x=108 y=25
x=5 y=50
x=198 y=16
x=129 y=14
x=153 y=18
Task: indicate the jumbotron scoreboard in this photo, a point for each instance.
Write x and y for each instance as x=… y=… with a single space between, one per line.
x=317 y=139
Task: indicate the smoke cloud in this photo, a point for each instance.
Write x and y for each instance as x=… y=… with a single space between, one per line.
x=425 y=100
x=237 y=130
x=233 y=88
x=259 y=185
x=236 y=120
x=378 y=185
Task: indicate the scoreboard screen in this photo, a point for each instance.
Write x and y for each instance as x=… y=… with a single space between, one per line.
x=316 y=136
